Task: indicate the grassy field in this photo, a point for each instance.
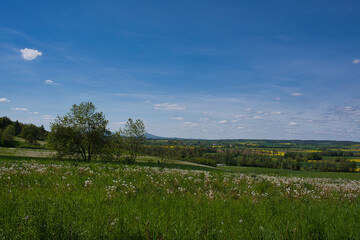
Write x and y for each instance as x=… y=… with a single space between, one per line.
x=25 y=152
x=291 y=173
x=47 y=199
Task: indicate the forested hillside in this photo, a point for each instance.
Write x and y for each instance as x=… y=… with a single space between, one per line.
x=29 y=132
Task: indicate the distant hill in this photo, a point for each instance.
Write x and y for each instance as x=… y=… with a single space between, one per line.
x=150 y=136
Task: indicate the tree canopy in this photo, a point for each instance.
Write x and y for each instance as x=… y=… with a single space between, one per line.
x=7 y=136
x=82 y=133
x=134 y=137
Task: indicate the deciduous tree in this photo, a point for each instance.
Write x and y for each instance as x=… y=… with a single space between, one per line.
x=82 y=133
x=134 y=138
x=30 y=133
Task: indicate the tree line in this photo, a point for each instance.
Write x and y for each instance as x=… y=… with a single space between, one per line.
x=10 y=129
x=209 y=156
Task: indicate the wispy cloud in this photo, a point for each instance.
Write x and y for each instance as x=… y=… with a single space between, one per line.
x=189 y=124
x=19 y=109
x=168 y=106
x=208 y=113
x=275 y=112
x=51 y=82
x=222 y=121
x=292 y=124
x=296 y=94
x=204 y=119
x=30 y=54
x=356 y=61
x=4 y=100
x=118 y=123
x=48 y=117
x=177 y=118
x=346 y=111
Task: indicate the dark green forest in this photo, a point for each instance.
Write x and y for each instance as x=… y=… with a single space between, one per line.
x=29 y=132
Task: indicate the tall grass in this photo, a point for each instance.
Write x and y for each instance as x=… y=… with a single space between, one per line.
x=74 y=200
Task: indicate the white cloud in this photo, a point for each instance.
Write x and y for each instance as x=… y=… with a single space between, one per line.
x=235 y=121
x=276 y=112
x=51 y=82
x=238 y=116
x=4 y=100
x=277 y=99
x=147 y=102
x=208 y=113
x=35 y=112
x=19 y=109
x=293 y=123
x=189 y=124
x=204 y=119
x=356 y=61
x=48 y=117
x=30 y=54
x=118 y=123
x=257 y=117
x=247 y=109
x=222 y=121
x=296 y=94
x=168 y=106
x=177 y=118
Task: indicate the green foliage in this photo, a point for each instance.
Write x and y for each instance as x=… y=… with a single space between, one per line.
x=134 y=138
x=82 y=133
x=42 y=133
x=4 y=122
x=18 y=128
x=30 y=133
x=114 y=149
x=7 y=136
x=339 y=165
x=314 y=156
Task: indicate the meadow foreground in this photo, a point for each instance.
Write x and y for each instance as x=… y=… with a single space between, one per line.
x=44 y=199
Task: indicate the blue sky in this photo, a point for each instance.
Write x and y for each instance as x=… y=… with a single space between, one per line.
x=193 y=69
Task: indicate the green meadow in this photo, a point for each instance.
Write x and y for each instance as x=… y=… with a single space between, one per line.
x=50 y=199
